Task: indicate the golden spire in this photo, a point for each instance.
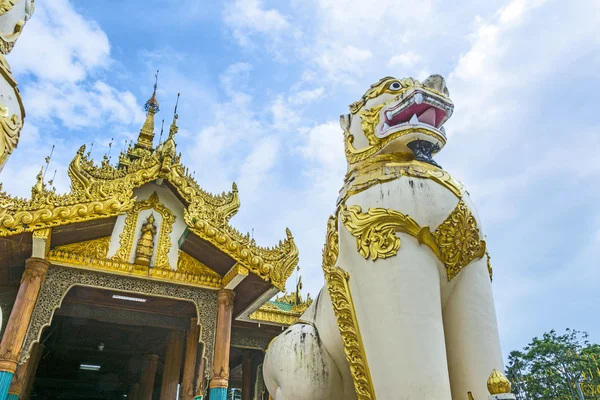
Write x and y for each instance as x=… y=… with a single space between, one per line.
x=498 y=383
x=169 y=147
x=146 y=136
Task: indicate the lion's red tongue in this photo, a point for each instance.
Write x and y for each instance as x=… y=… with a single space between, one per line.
x=428 y=117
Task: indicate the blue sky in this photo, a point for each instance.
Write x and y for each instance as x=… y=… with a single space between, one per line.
x=262 y=85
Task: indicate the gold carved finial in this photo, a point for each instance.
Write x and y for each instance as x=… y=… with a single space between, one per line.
x=145 y=246
x=146 y=136
x=498 y=383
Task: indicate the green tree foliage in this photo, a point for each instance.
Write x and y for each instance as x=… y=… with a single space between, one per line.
x=558 y=367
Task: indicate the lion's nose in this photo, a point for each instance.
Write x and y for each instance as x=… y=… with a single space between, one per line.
x=436 y=82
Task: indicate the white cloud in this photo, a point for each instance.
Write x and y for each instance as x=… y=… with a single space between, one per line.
x=323 y=152
x=72 y=49
x=247 y=18
x=81 y=105
x=69 y=45
x=306 y=96
x=408 y=59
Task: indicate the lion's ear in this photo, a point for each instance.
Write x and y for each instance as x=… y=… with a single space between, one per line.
x=345 y=120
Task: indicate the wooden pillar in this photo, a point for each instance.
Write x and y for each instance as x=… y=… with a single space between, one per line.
x=22 y=381
x=189 y=366
x=134 y=389
x=147 y=378
x=18 y=322
x=220 y=371
x=170 y=379
x=200 y=378
x=246 y=376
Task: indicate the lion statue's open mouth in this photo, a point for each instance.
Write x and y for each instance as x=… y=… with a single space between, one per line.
x=402 y=116
x=420 y=108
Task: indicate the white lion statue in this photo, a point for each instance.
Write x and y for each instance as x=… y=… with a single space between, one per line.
x=407 y=311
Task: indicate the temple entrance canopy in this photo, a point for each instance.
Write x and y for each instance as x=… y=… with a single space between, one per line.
x=145 y=228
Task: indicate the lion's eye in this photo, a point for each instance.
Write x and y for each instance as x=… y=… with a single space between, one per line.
x=395 y=86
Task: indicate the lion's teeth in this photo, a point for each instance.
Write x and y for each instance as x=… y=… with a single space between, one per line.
x=385 y=126
x=389 y=115
x=418 y=98
x=414 y=120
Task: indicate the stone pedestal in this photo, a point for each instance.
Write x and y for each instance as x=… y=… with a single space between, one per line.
x=220 y=371
x=170 y=379
x=18 y=322
x=147 y=378
x=505 y=396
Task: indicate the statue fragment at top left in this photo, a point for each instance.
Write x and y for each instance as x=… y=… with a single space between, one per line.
x=13 y=16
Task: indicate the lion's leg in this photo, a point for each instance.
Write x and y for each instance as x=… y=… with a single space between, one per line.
x=297 y=367
x=472 y=340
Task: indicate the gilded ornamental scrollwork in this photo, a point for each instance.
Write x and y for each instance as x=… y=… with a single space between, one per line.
x=59 y=280
x=456 y=241
x=102 y=191
x=164 y=240
x=343 y=307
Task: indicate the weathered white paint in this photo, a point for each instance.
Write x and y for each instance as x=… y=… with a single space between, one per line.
x=425 y=337
x=171 y=202
x=236 y=280
x=39 y=246
x=9 y=20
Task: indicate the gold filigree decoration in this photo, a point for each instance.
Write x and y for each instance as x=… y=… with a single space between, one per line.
x=271 y=314
x=68 y=255
x=10 y=127
x=189 y=265
x=498 y=383
x=343 y=306
x=96 y=248
x=6 y=6
x=236 y=270
x=489 y=267
x=383 y=86
x=389 y=167
x=102 y=191
x=164 y=238
x=273 y=264
x=369 y=121
x=355 y=156
x=456 y=241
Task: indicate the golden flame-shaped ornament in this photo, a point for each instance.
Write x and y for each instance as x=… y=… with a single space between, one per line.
x=498 y=383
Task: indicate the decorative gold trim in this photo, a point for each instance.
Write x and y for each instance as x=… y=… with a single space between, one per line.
x=233 y=272
x=44 y=233
x=10 y=127
x=164 y=238
x=101 y=191
x=456 y=241
x=369 y=121
x=389 y=167
x=355 y=156
x=96 y=248
x=62 y=255
x=343 y=307
x=271 y=314
x=489 y=266
x=498 y=383
x=273 y=265
x=189 y=265
x=7 y=5
x=15 y=220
